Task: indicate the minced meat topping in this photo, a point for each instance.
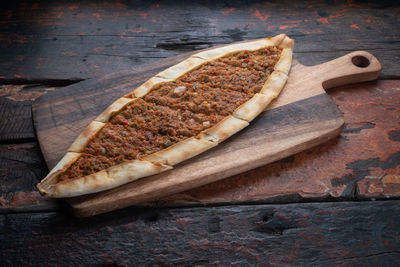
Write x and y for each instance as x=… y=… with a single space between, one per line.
x=177 y=110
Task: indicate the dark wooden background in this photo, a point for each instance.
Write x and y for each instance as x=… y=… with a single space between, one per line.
x=335 y=204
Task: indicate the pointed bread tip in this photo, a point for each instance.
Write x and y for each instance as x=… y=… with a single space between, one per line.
x=287 y=43
x=278 y=39
x=42 y=189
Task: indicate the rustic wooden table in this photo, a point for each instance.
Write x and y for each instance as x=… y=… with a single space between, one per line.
x=334 y=204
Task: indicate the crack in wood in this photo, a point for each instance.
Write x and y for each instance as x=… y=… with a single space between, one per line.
x=39 y=81
x=350 y=128
x=184 y=46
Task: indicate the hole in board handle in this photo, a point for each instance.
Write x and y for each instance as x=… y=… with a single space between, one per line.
x=360 y=61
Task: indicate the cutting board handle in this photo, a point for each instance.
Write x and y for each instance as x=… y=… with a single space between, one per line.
x=358 y=66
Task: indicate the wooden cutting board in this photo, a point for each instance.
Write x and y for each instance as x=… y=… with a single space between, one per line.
x=303 y=116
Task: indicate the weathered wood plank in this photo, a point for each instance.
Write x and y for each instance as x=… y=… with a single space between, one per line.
x=16 y=120
x=65 y=41
x=21 y=167
x=346 y=233
x=15 y=109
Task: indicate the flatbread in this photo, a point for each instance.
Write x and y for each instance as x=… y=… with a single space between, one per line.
x=164 y=160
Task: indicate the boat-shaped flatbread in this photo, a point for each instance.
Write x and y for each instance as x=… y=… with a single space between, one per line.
x=179 y=113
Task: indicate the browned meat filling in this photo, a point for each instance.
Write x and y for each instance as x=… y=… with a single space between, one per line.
x=221 y=75
x=177 y=110
x=197 y=97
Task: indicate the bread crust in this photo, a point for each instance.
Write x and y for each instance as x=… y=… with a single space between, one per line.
x=275 y=83
x=253 y=107
x=174 y=72
x=145 y=88
x=230 y=49
x=181 y=151
x=225 y=128
x=62 y=165
x=164 y=159
x=83 y=139
x=114 y=108
x=285 y=60
x=106 y=179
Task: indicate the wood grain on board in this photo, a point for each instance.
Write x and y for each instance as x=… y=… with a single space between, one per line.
x=302 y=117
